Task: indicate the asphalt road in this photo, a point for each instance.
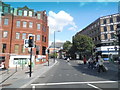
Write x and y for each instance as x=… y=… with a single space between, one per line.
x=73 y=74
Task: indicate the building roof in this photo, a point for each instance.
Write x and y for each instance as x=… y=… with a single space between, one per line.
x=57 y=45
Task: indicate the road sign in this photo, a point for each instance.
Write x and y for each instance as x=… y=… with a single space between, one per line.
x=26 y=43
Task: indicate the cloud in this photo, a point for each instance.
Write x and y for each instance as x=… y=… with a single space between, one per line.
x=57 y=21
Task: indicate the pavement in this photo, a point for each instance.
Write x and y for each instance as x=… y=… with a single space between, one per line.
x=20 y=78
x=75 y=75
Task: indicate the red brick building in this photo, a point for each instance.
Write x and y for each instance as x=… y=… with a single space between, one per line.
x=17 y=24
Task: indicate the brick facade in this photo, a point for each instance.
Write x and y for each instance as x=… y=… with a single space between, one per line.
x=18 y=29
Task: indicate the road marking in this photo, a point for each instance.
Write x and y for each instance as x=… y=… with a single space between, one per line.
x=67 y=83
x=94 y=86
x=69 y=63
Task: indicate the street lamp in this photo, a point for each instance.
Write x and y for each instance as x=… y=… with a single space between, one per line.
x=54 y=45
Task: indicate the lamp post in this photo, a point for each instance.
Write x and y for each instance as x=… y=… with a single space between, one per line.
x=54 y=47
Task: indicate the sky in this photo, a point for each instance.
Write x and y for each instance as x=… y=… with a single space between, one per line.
x=69 y=17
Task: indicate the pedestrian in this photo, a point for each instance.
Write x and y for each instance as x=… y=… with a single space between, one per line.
x=111 y=58
x=84 y=60
x=90 y=62
x=68 y=59
x=100 y=63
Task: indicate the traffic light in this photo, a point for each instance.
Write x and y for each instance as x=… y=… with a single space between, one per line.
x=31 y=41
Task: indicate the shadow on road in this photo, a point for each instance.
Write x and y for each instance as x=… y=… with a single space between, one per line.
x=109 y=75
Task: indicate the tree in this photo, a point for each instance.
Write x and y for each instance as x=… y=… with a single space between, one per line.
x=67 y=46
x=83 y=44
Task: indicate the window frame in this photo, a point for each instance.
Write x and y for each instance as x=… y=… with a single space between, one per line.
x=30 y=24
x=24 y=35
x=25 y=13
x=38 y=38
x=24 y=24
x=5 y=36
x=17 y=35
x=38 y=27
x=6 y=21
x=20 y=12
x=18 y=24
x=17 y=48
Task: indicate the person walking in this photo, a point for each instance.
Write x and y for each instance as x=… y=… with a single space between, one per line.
x=100 y=63
x=84 y=59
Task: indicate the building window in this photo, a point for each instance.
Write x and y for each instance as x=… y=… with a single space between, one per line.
x=30 y=24
x=37 y=49
x=18 y=24
x=5 y=21
x=16 y=50
x=5 y=34
x=105 y=29
x=38 y=26
x=104 y=21
x=111 y=28
x=23 y=49
x=45 y=39
x=6 y=10
x=24 y=36
x=105 y=36
x=30 y=13
x=24 y=24
x=112 y=35
x=20 y=12
x=118 y=18
x=17 y=35
x=38 y=15
x=42 y=38
x=38 y=37
x=43 y=28
x=111 y=20
x=25 y=13
x=43 y=50
x=3 y=48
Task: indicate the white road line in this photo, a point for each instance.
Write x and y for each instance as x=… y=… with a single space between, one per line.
x=94 y=86
x=67 y=83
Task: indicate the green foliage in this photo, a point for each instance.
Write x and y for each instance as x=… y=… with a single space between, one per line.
x=83 y=43
x=67 y=45
x=52 y=55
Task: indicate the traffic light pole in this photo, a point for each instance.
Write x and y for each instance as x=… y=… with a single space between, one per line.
x=48 y=59
x=30 y=62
